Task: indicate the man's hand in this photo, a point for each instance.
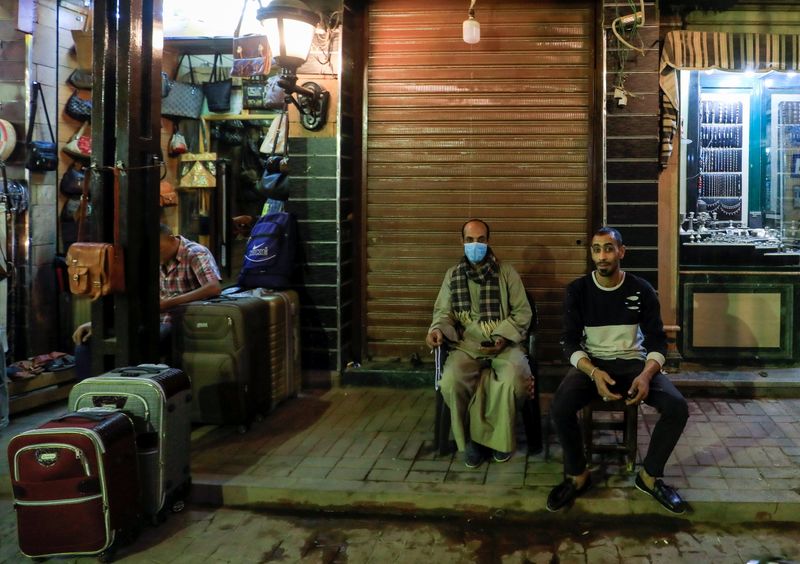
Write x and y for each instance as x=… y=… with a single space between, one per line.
x=603 y=380
x=434 y=338
x=499 y=344
x=166 y=304
x=640 y=387
x=82 y=333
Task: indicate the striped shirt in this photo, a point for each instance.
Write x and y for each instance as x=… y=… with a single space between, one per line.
x=193 y=267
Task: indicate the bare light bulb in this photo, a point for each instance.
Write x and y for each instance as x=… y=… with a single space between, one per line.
x=471 y=30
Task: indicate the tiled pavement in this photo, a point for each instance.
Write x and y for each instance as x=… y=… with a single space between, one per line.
x=365 y=449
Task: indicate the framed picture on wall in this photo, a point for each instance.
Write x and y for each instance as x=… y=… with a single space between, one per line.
x=796 y=166
x=796 y=196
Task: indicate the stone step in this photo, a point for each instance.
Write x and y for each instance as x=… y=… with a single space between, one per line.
x=724 y=383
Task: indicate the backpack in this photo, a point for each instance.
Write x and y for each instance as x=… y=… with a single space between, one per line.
x=269 y=255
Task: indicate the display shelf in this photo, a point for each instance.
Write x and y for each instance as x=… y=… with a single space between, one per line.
x=722 y=182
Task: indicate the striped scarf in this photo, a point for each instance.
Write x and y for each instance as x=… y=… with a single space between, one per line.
x=487 y=275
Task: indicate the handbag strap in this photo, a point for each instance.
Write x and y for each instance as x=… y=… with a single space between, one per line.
x=117 y=173
x=213 y=77
x=191 y=69
x=283 y=123
x=37 y=93
x=84 y=205
x=241 y=18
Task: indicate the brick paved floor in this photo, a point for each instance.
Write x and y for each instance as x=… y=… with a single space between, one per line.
x=370 y=449
x=375 y=446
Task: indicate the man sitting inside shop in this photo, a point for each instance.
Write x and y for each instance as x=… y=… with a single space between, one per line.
x=188 y=272
x=615 y=341
x=483 y=312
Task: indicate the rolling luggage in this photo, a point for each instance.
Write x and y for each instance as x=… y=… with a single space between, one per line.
x=283 y=337
x=157 y=398
x=75 y=486
x=219 y=343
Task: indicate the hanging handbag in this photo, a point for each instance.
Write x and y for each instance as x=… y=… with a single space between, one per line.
x=78 y=108
x=8 y=139
x=184 y=100
x=81 y=79
x=96 y=269
x=218 y=92
x=197 y=170
x=72 y=181
x=80 y=146
x=251 y=56
x=177 y=143
x=275 y=180
x=42 y=155
x=259 y=94
x=167 y=196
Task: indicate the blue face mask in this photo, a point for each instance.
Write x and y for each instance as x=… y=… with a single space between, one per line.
x=475 y=252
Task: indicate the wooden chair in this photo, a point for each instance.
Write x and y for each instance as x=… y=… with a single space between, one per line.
x=628 y=427
x=531 y=409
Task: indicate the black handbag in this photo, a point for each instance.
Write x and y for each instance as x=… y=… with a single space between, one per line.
x=42 y=155
x=72 y=181
x=81 y=79
x=184 y=100
x=218 y=92
x=77 y=108
x=15 y=193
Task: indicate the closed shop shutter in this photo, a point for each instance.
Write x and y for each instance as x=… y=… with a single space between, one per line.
x=501 y=130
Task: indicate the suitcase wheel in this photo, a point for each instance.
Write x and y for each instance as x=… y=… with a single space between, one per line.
x=178 y=506
x=242 y=429
x=259 y=417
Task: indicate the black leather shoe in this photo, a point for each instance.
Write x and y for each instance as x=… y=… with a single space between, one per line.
x=501 y=457
x=475 y=455
x=565 y=493
x=663 y=494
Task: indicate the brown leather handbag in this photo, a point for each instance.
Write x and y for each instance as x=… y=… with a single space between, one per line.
x=96 y=269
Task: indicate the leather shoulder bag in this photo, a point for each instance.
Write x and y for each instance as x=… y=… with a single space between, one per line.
x=96 y=269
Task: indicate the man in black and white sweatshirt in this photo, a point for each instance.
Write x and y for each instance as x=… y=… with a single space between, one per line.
x=614 y=340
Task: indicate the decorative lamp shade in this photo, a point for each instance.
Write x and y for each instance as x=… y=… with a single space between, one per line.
x=289 y=26
x=471 y=31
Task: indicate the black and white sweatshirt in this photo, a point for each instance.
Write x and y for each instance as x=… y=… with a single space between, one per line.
x=623 y=322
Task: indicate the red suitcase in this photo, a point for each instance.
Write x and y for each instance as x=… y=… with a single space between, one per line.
x=75 y=486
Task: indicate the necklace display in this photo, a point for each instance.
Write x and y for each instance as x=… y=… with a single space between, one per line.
x=719 y=181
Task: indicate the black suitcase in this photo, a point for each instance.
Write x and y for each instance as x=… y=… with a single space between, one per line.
x=219 y=343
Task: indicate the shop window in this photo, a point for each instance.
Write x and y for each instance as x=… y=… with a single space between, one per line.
x=740 y=168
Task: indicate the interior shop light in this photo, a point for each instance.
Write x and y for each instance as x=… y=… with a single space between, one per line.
x=471 y=28
x=290 y=26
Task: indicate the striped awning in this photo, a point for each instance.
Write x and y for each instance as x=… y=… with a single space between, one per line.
x=700 y=50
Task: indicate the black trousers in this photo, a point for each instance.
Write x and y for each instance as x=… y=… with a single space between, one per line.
x=577 y=390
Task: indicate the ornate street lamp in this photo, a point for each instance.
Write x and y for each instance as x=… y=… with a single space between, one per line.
x=290 y=26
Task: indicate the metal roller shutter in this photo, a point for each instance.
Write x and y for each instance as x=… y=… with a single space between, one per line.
x=500 y=130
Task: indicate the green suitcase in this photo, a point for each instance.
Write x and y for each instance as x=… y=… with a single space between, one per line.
x=157 y=398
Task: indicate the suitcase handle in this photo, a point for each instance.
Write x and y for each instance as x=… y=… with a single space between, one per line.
x=92 y=415
x=136 y=370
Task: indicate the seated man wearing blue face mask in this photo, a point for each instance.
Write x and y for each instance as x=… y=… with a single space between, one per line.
x=483 y=311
